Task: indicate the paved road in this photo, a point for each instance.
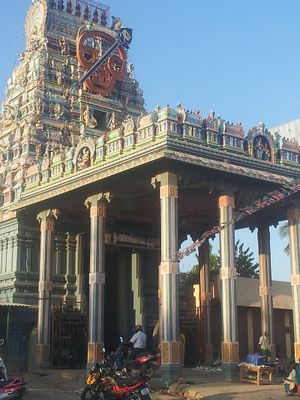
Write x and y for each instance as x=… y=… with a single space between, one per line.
x=50 y=394
x=266 y=393
x=195 y=386
x=59 y=394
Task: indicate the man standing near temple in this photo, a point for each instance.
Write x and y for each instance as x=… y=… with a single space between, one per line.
x=264 y=344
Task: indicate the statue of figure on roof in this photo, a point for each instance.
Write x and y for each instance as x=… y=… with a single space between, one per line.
x=116 y=23
x=112 y=123
x=261 y=127
x=181 y=113
x=130 y=70
x=261 y=148
x=84 y=158
x=128 y=124
x=2 y=158
x=258 y=149
x=88 y=119
x=64 y=47
x=278 y=141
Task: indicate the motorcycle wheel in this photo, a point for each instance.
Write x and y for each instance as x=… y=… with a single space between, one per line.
x=89 y=394
x=147 y=371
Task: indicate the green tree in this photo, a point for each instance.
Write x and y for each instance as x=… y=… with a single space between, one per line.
x=284 y=233
x=244 y=262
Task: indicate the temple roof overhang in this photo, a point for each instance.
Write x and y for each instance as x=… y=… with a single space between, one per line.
x=163 y=140
x=99 y=173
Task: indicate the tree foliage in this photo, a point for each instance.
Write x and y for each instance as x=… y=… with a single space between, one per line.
x=244 y=263
x=284 y=233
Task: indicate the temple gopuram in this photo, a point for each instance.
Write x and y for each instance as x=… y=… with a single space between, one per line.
x=97 y=194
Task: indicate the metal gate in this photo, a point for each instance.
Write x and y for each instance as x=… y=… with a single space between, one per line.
x=68 y=335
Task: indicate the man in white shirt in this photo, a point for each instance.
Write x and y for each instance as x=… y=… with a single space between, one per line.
x=264 y=344
x=138 y=341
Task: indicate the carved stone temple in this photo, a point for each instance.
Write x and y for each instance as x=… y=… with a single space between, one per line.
x=97 y=194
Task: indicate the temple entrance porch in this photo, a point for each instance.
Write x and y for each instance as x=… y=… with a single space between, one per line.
x=83 y=231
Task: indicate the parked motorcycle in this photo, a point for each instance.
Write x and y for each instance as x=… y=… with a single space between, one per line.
x=101 y=385
x=145 y=363
x=10 y=388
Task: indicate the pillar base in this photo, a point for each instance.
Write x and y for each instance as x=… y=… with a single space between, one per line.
x=170 y=373
x=42 y=356
x=230 y=352
x=208 y=354
x=297 y=351
x=95 y=353
x=231 y=372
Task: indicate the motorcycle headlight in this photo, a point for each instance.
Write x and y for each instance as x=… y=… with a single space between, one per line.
x=91 y=380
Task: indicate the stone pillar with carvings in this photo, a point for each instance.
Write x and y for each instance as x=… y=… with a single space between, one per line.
x=97 y=205
x=70 y=277
x=205 y=298
x=46 y=220
x=79 y=271
x=294 y=233
x=137 y=288
x=229 y=345
x=168 y=279
x=58 y=255
x=265 y=283
x=28 y=260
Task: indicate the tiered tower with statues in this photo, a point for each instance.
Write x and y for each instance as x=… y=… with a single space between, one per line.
x=45 y=114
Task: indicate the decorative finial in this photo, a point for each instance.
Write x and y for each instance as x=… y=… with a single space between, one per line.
x=96 y=16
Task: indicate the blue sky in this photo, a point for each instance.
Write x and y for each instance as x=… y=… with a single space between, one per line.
x=239 y=58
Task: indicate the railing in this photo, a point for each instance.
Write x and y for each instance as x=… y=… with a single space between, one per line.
x=86 y=9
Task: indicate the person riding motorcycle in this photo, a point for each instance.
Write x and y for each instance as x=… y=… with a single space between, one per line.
x=138 y=341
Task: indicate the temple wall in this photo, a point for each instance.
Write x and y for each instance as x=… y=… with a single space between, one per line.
x=18 y=261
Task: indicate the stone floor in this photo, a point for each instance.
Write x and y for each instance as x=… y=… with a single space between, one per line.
x=67 y=384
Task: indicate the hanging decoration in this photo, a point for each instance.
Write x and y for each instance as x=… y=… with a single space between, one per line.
x=267 y=200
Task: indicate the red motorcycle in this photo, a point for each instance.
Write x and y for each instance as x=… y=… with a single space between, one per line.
x=13 y=388
x=145 y=363
x=102 y=386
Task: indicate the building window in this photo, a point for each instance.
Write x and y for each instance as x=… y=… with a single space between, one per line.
x=101 y=118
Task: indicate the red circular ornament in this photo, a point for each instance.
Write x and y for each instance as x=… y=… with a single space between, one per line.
x=90 y=46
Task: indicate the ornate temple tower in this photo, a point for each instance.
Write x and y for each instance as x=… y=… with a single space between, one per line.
x=46 y=115
x=44 y=111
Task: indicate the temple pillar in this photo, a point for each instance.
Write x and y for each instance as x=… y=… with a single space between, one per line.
x=168 y=280
x=97 y=205
x=136 y=287
x=1 y=257
x=46 y=220
x=205 y=298
x=58 y=256
x=294 y=233
x=250 y=331
x=70 y=277
x=79 y=271
x=265 y=283
x=28 y=255
x=229 y=345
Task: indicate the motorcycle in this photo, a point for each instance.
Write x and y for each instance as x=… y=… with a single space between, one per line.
x=10 y=388
x=101 y=385
x=145 y=363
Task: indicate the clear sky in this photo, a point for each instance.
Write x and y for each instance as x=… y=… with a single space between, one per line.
x=239 y=58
